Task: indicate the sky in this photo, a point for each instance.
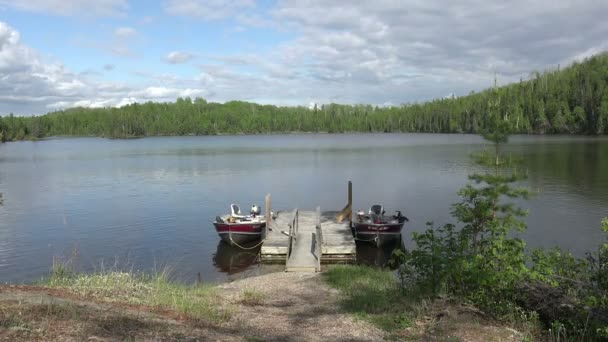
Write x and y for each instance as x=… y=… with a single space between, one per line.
x=56 y=54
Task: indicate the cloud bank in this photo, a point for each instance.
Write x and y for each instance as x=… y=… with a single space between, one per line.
x=365 y=52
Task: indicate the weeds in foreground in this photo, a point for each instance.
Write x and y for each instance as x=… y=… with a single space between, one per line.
x=197 y=302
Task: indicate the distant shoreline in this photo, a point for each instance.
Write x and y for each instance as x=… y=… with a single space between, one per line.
x=66 y=137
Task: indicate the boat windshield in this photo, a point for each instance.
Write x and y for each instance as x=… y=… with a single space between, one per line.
x=376 y=209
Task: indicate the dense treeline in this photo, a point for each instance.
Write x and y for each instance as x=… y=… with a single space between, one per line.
x=570 y=100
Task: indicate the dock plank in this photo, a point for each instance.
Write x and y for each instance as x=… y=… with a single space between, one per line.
x=275 y=243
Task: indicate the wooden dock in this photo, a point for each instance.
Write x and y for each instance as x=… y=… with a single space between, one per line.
x=303 y=239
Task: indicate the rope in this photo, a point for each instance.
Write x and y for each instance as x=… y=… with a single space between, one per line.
x=245 y=248
x=367 y=240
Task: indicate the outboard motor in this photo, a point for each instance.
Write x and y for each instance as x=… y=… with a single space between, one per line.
x=400 y=217
x=255 y=210
x=376 y=212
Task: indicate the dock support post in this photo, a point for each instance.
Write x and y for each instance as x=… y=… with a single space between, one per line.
x=268 y=214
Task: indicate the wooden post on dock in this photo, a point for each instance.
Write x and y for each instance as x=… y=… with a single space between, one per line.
x=318 y=240
x=350 y=201
x=347 y=212
x=268 y=213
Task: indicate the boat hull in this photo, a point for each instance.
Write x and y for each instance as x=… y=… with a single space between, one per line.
x=236 y=234
x=379 y=234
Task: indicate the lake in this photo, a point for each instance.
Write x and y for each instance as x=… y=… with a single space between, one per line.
x=147 y=204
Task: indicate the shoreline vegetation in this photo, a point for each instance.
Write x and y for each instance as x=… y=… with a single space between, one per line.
x=571 y=100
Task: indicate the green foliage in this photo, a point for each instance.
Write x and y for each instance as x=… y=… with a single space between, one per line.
x=557 y=268
x=570 y=100
x=435 y=262
x=485 y=263
x=481 y=261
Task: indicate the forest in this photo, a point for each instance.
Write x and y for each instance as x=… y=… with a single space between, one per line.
x=571 y=100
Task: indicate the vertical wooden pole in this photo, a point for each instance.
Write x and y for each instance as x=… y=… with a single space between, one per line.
x=268 y=214
x=350 y=201
x=318 y=240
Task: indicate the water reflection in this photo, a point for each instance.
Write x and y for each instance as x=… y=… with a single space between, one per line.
x=233 y=260
x=368 y=254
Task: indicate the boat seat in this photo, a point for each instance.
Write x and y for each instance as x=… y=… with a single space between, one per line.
x=219 y=219
x=374 y=218
x=235 y=211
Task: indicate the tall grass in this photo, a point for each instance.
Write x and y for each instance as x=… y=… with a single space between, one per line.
x=199 y=302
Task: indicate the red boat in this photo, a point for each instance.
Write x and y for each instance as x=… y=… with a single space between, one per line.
x=377 y=228
x=237 y=230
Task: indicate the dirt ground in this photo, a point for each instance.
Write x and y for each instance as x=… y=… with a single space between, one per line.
x=272 y=307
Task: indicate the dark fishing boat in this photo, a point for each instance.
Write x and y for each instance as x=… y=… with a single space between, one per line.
x=237 y=229
x=377 y=228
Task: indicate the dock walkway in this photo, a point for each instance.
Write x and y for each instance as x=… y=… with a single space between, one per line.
x=304 y=239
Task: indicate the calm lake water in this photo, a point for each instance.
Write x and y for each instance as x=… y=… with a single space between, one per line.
x=146 y=204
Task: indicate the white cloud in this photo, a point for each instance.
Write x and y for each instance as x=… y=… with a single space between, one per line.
x=122 y=44
x=24 y=76
x=125 y=32
x=121 y=50
x=70 y=7
x=155 y=93
x=178 y=57
x=148 y=19
x=207 y=9
x=31 y=85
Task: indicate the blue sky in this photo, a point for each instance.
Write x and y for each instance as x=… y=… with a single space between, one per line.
x=57 y=54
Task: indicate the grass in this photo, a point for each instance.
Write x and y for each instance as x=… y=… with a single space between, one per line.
x=197 y=302
x=10 y=320
x=373 y=294
x=27 y=321
x=252 y=297
x=23 y=321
